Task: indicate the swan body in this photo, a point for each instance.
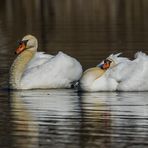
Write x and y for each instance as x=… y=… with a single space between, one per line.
x=121 y=75
x=32 y=69
x=134 y=74
x=97 y=79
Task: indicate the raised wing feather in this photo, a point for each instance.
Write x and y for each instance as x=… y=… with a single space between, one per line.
x=39 y=59
x=54 y=72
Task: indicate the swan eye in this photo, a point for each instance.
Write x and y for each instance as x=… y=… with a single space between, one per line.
x=107 y=61
x=20 y=42
x=23 y=42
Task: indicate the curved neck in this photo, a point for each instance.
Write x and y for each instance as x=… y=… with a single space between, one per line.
x=90 y=76
x=18 y=67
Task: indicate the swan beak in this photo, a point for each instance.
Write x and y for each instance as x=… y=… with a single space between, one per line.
x=21 y=48
x=105 y=66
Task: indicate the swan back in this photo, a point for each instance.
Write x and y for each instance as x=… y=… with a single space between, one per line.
x=136 y=75
x=56 y=72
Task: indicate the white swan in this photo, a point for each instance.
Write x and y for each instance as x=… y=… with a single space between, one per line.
x=117 y=73
x=32 y=69
x=98 y=78
x=132 y=75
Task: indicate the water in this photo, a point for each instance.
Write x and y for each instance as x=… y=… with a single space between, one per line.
x=89 y=31
x=65 y=118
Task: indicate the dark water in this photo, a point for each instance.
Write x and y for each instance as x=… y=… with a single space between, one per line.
x=88 y=30
x=65 y=118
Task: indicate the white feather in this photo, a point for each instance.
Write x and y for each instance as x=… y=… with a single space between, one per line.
x=39 y=59
x=51 y=72
x=123 y=75
x=32 y=69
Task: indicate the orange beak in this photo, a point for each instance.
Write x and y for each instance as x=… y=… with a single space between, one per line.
x=106 y=65
x=21 y=48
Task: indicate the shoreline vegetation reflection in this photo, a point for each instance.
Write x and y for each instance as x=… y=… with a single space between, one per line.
x=88 y=31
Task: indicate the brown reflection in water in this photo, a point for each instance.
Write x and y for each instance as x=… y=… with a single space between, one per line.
x=88 y=30
x=17 y=126
x=96 y=122
x=24 y=126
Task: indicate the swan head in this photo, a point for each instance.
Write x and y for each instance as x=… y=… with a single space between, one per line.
x=107 y=63
x=111 y=61
x=28 y=42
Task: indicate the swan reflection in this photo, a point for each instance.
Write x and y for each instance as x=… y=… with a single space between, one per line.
x=124 y=118
x=59 y=118
x=52 y=112
x=24 y=126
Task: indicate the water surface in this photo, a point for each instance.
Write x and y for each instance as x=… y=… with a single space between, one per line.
x=66 y=118
x=88 y=30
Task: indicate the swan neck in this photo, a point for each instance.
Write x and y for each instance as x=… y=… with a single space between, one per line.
x=18 y=67
x=90 y=76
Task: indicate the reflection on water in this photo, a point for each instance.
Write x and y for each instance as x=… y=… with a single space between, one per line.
x=24 y=126
x=65 y=118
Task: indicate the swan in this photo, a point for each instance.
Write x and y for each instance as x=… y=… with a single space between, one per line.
x=36 y=70
x=117 y=74
x=132 y=75
x=97 y=79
